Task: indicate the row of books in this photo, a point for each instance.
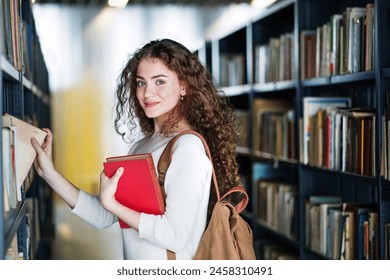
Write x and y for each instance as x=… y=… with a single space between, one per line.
x=232 y=69
x=18 y=157
x=28 y=249
x=341 y=230
x=274 y=127
x=274 y=61
x=335 y=229
x=332 y=134
x=277 y=133
x=337 y=136
x=343 y=45
x=12 y=41
x=276 y=205
x=17 y=41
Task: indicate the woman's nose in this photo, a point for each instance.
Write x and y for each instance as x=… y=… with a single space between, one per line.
x=149 y=91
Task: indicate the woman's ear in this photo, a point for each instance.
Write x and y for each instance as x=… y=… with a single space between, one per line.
x=182 y=91
x=182 y=86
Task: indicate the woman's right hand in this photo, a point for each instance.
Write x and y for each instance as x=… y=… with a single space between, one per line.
x=44 y=162
x=45 y=168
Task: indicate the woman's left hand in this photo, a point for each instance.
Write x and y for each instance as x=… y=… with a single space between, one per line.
x=108 y=188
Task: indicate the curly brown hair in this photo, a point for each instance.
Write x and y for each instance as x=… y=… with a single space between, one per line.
x=204 y=107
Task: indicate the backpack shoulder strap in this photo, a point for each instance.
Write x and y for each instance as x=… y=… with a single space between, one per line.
x=166 y=157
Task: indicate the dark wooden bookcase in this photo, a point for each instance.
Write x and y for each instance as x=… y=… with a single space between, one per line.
x=365 y=88
x=25 y=94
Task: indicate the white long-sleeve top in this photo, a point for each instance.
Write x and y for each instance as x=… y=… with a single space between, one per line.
x=187 y=185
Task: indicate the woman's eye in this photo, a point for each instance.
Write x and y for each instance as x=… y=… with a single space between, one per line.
x=140 y=83
x=160 y=82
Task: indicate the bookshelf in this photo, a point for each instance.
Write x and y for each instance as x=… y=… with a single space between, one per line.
x=26 y=229
x=271 y=69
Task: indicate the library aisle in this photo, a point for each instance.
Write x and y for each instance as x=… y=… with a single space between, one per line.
x=77 y=240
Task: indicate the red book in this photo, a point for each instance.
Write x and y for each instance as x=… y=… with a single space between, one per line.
x=138 y=188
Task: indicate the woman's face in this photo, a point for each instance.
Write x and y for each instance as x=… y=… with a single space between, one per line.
x=158 y=89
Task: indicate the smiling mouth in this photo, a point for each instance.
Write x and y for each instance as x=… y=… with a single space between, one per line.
x=150 y=104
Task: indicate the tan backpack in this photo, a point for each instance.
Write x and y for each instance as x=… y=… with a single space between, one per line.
x=228 y=236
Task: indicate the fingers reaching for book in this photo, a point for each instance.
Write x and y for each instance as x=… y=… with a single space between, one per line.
x=47 y=144
x=43 y=163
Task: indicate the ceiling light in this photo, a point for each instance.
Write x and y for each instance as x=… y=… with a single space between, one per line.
x=118 y=3
x=262 y=3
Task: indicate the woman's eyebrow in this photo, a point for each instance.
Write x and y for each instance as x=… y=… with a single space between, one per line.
x=159 y=76
x=153 y=77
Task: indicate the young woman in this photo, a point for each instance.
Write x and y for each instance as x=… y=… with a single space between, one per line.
x=163 y=90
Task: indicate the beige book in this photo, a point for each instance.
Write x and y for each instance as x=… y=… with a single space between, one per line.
x=24 y=151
